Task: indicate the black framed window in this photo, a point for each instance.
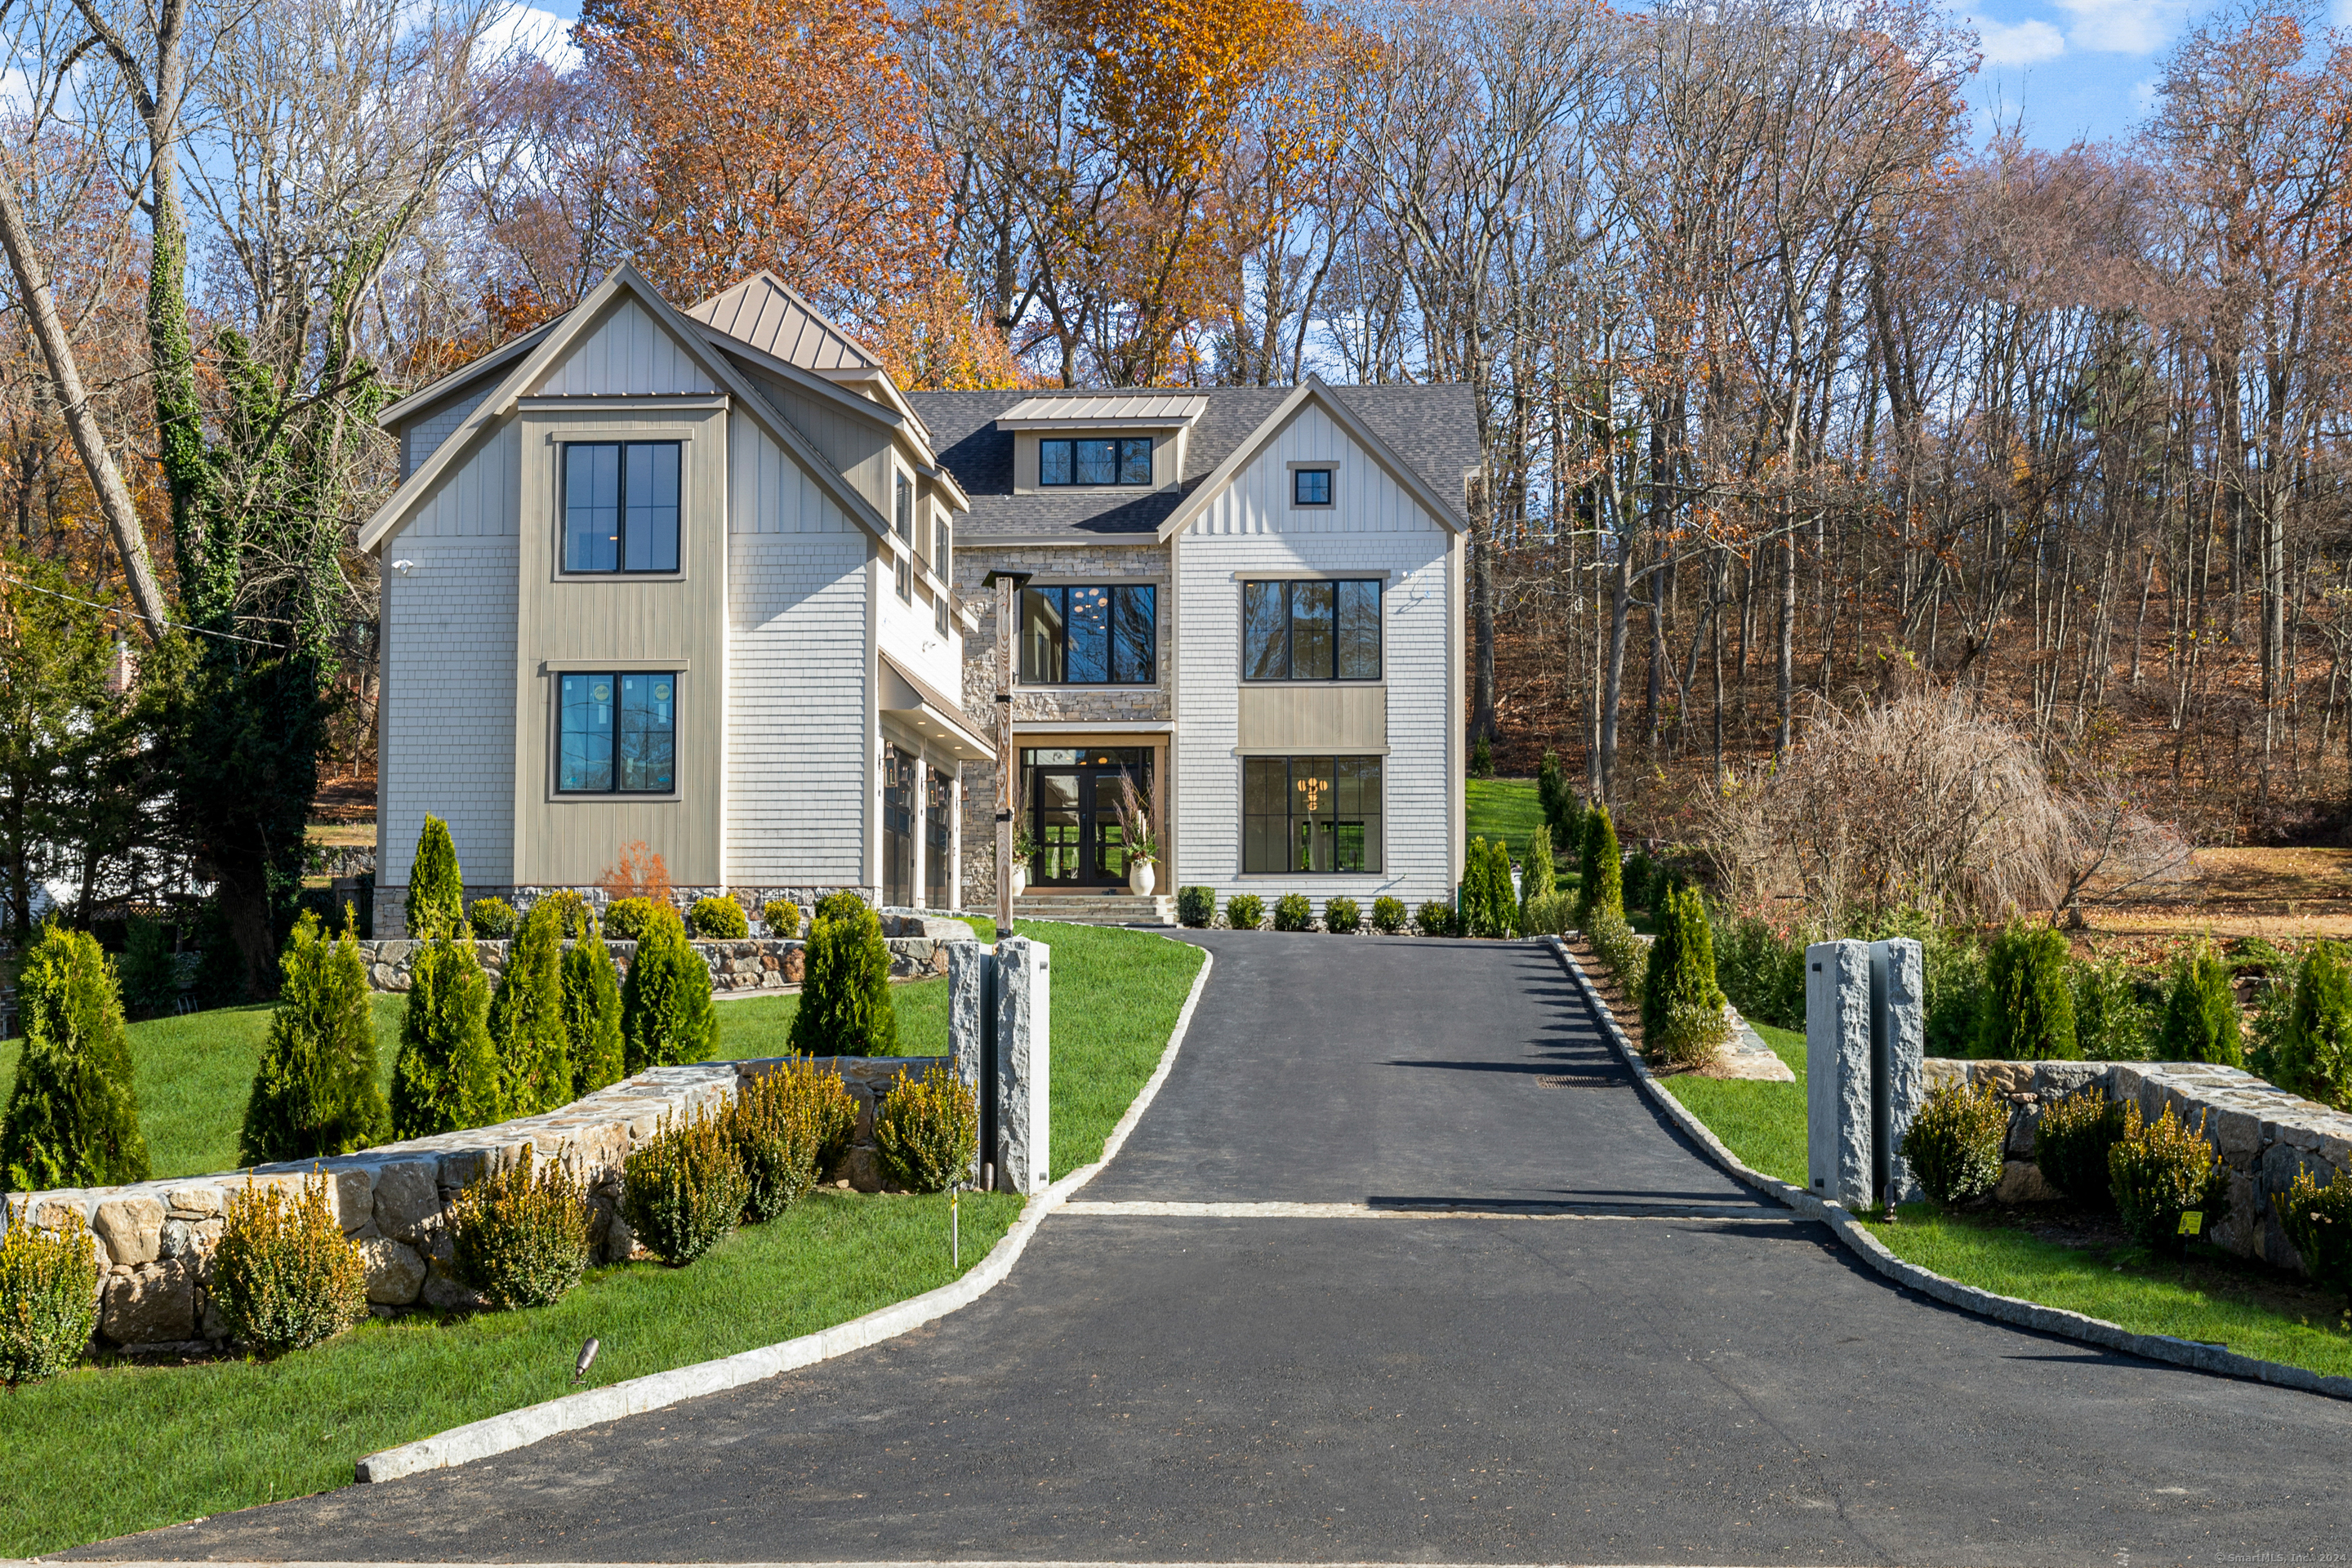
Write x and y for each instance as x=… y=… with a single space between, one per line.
x=616 y=733
x=1095 y=460
x=1311 y=631
x=1310 y=486
x=1089 y=633
x=1313 y=815
x=902 y=516
x=620 y=506
x=939 y=612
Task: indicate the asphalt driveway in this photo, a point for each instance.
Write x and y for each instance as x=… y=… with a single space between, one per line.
x=1557 y=1335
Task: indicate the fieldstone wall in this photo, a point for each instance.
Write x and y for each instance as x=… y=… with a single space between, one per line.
x=753 y=963
x=156 y=1238
x=392 y=900
x=2262 y=1132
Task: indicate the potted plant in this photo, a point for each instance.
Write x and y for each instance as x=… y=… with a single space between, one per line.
x=1024 y=849
x=1135 y=832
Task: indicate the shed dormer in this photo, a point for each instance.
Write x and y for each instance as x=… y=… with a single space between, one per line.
x=1103 y=442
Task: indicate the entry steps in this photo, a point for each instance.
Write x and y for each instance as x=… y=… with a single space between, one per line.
x=1103 y=908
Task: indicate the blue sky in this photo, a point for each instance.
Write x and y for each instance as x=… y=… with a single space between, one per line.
x=2071 y=69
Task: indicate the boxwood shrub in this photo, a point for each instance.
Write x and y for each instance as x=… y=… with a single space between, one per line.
x=1341 y=917
x=776 y=1130
x=1389 y=916
x=625 y=920
x=1953 y=1145
x=682 y=1190
x=284 y=1275
x=49 y=1299
x=1245 y=912
x=718 y=918
x=493 y=919
x=2071 y=1144
x=1293 y=912
x=520 y=1236
x=2159 y=1171
x=927 y=1131
x=1437 y=918
x=1196 y=907
x=781 y=917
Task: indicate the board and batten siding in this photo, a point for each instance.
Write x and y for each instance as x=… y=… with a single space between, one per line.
x=447 y=710
x=798 y=709
x=629 y=353
x=1375 y=526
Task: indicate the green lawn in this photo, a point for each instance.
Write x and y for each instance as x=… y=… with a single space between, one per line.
x=1504 y=808
x=2255 y=1310
x=109 y=1450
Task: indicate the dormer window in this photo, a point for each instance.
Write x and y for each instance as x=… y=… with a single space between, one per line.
x=1095 y=460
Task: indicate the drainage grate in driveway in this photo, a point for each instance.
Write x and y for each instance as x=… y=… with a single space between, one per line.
x=1582 y=1080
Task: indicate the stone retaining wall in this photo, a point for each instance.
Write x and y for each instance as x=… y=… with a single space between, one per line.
x=2262 y=1132
x=156 y=1238
x=752 y=963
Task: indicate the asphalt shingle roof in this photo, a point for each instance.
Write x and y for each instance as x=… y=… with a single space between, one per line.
x=1432 y=428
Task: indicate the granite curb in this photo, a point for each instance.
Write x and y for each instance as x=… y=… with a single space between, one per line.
x=520 y=1428
x=2008 y=1310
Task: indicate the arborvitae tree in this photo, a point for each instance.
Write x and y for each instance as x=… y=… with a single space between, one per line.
x=1502 y=903
x=2027 y=1012
x=1563 y=816
x=667 y=1013
x=437 y=889
x=447 y=1078
x=73 y=1115
x=2314 y=1057
x=527 y=1022
x=315 y=1091
x=846 y=1004
x=1538 y=878
x=592 y=1014
x=2201 y=1021
x=1599 y=873
x=1682 y=1007
x=1475 y=917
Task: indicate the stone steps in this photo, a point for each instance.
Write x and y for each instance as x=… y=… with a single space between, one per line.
x=1097 y=908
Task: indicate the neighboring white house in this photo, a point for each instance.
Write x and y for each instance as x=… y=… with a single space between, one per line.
x=704 y=579
x=1246 y=600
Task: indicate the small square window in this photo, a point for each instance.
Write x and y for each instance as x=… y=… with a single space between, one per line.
x=1310 y=486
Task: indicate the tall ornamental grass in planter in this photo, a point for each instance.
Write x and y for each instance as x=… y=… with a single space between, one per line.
x=2201 y=1021
x=1682 y=1011
x=284 y=1275
x=845 y=1009
x=1601 y=874
x=73 y=1112
x=682 y=1190
x=2313 y=1056
x=666 y=1013
x=2028 y=1010
x=315 y=1091
x=2071 y=1141
x=2159 y=1171
x=926 y=1131
x=437 y=889
x=446 y=1079
x=519 y=1236
x=2317 y=1222
x=1953 y=1144
x=775 y=1127
x=591 y=1014
x=527 y=1018
x=49 y=1299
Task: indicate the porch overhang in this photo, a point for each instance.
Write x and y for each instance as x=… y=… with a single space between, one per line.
x=924 y=710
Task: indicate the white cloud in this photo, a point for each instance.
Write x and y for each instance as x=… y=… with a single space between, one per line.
x=2123 y=26
x=533 y=31
x=2018 y=43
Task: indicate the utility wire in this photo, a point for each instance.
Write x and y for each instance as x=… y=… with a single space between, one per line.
x=168 y=626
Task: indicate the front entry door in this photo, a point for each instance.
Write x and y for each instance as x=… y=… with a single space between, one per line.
x=1074 y=798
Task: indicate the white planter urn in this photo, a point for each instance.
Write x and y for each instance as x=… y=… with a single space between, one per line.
x=1142 y=876
x=1020 y=879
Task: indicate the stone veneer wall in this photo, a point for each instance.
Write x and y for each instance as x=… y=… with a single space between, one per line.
x=2262 y=1132
x=918 y=946
x=156 y=1238
x=392 y=901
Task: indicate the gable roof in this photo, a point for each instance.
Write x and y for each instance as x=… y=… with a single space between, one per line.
x=1428 y=432
x=548 y=347
x=765 y=313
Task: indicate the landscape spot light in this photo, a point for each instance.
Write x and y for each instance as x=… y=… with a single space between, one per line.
x=587 y=1354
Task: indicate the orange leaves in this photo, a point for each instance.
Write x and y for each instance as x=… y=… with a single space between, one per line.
x=783 y=134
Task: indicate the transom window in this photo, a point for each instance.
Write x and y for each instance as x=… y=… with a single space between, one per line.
x=616 y=733
x=1310 y=486
x=1105 y=460
x=1310 y=814
x=1090 y=634
x=620 y=506
x=1311 y=631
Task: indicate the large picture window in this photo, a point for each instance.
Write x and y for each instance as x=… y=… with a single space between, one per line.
x=1106 y=460
x=616 y=733
x=1310 y=814
x=1090 y=634
x=620 y=506
x=1311 y=631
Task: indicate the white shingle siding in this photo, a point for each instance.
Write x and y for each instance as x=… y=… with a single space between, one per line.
x=426 y=434
x=449 y=672
x=1375 y=526
x=628 y=354
x=797 y=709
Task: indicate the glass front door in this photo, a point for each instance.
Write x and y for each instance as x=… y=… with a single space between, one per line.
x=1074 y=799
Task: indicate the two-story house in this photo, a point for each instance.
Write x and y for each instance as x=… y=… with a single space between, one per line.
x=1245 y=601
x=706 y=580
